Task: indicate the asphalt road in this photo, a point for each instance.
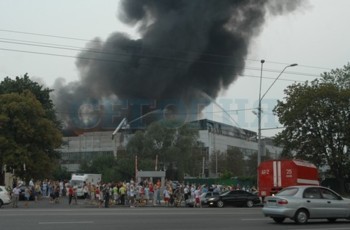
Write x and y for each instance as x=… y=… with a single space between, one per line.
x=43 y=215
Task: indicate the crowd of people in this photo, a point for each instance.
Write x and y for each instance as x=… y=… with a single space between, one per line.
x=129 y=194
x=36 y=191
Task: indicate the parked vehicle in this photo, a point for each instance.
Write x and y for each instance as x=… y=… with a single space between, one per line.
x=5 y=197
x=77 y=181
x=234 y=198
x=204 y=198
x=301 y=203
x=274 y=175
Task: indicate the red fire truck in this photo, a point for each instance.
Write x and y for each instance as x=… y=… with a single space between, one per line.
x=274 y=175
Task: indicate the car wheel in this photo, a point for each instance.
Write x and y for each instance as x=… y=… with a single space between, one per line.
x=250 y=203
x=1 y=203
x=332 y=220
x=220 y=204
x=301 y=216
x=278 y=220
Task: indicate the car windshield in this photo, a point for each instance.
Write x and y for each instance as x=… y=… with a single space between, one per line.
x=288 y=192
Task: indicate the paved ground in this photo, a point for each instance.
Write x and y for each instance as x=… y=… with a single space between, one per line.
x=136 y=219
x=63 y=203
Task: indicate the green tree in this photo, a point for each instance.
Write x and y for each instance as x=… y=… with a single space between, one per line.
x=217 y=160
x=27 y=136
x=317 y=120
x=235 y=162
x=42 y=94
x=252 y=164
x=61 y=173
x=173 y=145
x=229 y=164
x=107 y=165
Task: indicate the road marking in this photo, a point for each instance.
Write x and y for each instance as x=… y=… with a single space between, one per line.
x=254 y=219
x=67 y=222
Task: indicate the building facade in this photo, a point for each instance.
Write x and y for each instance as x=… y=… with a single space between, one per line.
x=214 y=136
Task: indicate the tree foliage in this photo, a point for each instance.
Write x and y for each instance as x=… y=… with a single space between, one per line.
x=252 y=163
x=61 y=173
x=233 y=163
x=176 y=149
x=316 y=117
x=42 y=94
x=27 y=136
x=230 y=163
x=108 y=166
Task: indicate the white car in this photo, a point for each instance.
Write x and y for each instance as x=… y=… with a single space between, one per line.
x=301 y=203
x=5 y=197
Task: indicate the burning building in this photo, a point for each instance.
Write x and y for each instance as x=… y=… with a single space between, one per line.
x=187 y=52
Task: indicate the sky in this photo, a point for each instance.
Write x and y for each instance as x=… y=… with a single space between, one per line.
x=315 y=36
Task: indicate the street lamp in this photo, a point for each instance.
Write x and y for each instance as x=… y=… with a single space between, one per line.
x=260 y=149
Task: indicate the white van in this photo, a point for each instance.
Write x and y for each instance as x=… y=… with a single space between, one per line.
x=77 y=181
x=5 y=197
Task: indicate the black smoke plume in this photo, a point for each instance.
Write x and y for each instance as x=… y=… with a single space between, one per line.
x=186 y=49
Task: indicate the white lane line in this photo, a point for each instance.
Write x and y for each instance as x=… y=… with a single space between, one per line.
x=254 y=219
x=67 y=222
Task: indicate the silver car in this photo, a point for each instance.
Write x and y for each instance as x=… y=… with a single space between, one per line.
x=301 y=203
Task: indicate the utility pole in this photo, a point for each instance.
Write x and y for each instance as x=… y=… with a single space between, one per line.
x=260 y=146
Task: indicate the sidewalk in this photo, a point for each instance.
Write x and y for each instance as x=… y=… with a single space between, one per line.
x=45 y=203
x=63 y=203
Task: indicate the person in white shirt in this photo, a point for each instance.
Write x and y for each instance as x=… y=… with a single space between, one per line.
x=31 y=183
x=15 y=196
x=61 y=185
x=187 y=192
x=166 y=196
x=132 y=195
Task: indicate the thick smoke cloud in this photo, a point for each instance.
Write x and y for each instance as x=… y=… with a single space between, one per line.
x=186 y=49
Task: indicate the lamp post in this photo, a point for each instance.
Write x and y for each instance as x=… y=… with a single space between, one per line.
x=260 y=149
x=259 y=114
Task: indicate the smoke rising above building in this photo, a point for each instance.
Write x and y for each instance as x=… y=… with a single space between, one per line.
x=186 y=49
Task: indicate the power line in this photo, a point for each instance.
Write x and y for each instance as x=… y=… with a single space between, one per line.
x=121 y=62
x=270 y=78
x=119 y=53
x=58 y=55
x=10 y=40
x=55 y=46
x=208 y=54
x=44 y=35
x=125 y=54
x=284 y=63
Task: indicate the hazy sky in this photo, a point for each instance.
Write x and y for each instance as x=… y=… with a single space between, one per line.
x=315 y=36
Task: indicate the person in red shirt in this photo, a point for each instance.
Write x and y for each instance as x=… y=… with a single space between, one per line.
x=99 y=196
x=70 y=194
x=151 y=192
